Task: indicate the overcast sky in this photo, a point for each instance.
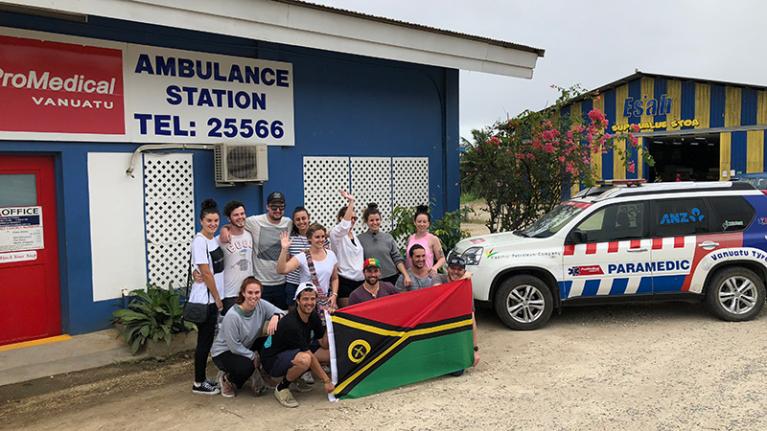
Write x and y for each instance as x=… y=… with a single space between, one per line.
x=591 y=43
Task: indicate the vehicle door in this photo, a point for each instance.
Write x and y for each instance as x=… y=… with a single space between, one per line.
x=608 y=253
x=679 y=227
x=731 y=228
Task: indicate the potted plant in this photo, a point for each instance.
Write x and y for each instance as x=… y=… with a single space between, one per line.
x=153 y=316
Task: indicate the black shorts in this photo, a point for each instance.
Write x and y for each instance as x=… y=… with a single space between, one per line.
x=347 y=286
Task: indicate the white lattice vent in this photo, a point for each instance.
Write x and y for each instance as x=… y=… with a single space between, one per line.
x=324 y=178
x=410 y=183
x=169 y=214
x=402 y=181
x=371 y=182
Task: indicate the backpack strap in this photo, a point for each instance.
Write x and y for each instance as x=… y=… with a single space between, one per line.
x=312 y=270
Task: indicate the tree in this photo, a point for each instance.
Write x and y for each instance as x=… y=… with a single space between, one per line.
x=520 y=167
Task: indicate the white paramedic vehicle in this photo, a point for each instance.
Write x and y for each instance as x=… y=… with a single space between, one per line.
x=702 y=241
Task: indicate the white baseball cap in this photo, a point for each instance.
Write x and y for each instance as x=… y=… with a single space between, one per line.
x=304 y=286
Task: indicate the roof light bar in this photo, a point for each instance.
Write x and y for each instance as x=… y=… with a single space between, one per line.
x=627 y=183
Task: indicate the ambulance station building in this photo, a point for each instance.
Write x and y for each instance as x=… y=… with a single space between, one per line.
x=118 y=117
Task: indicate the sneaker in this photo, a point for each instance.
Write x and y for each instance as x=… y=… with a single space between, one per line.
x=205 y=388
x=302 y=386
x=285 y=397
x=257 y=384
x=307 y=377
x=227 y=388
x=458 y=373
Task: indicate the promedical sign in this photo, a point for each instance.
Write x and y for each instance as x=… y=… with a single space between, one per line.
x=60 y=88
x=105 y=91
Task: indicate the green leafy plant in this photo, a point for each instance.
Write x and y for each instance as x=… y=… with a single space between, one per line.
x=447 y=228
x=152 y=314
x=403 y=224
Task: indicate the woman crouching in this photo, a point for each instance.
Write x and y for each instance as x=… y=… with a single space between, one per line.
x=234 y=350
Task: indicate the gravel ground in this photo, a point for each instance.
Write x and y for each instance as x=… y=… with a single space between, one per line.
x=638 y=367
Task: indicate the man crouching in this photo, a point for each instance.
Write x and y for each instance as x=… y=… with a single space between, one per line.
x=298 y=345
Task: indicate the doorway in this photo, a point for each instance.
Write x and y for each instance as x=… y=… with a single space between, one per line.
x=684 y=158
x=29 y=262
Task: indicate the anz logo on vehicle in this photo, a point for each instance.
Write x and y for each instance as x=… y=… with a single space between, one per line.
x=693 y=216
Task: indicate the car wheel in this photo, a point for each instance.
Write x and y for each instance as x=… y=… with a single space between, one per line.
x=524 y=302
x=735 y=294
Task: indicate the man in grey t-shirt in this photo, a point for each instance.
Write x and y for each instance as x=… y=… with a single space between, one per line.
x=238 y=253
x=419 y=272
x=266 y=230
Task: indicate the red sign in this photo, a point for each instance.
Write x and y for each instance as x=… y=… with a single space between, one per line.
x=60 y=87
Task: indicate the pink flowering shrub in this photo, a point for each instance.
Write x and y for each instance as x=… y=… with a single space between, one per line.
x=521 y=166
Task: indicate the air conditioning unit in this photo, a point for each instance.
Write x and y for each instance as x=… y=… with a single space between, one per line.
x=238 y=163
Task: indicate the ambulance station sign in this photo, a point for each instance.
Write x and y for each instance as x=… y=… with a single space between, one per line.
x=21 y=228
x=54 y=89
x=181 y=95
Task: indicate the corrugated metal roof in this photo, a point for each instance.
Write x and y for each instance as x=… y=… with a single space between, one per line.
x=540 y=52
x=639 y=74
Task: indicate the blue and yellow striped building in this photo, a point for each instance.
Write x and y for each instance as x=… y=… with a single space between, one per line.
x=682 y=121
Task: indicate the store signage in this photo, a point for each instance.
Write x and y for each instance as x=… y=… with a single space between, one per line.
x=644 y=106
x=65 y=88
x=21 y=228
x=653 y=125
x=60 y=88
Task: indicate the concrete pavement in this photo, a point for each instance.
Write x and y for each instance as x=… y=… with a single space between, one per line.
x=81 y=352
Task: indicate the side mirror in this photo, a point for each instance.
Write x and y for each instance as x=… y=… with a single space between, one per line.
x=577 y=236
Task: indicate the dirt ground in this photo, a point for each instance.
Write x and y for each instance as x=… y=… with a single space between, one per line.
x=638 y=367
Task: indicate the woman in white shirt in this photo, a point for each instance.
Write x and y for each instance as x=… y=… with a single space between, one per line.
x=208 y=259
x=318 y=265
x=346 y=245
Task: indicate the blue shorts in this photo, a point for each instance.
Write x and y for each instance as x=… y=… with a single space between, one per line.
x=278 y=366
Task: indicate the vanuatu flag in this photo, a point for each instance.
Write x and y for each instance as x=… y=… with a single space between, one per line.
x=401 y=339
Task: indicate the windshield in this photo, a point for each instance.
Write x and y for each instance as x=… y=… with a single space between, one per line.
x=554 y=220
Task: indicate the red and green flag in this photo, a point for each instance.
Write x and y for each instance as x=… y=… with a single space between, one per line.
x=401 y=339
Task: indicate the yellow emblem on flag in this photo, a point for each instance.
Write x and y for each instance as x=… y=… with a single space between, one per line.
x=358 y=349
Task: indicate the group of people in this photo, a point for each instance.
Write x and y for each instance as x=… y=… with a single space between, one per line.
x=271 y=276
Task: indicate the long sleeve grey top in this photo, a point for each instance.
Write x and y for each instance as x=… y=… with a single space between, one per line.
x=381 y=246
x=239 y=330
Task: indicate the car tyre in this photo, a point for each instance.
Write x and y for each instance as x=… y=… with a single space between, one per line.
x=524 y=302
x=735 y=294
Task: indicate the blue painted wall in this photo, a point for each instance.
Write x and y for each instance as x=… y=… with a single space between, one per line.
x=345 y=105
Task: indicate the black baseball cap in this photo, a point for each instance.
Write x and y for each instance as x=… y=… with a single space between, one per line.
x=275 y=197
x=456 y=261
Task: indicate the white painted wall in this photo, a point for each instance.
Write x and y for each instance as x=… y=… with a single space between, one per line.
x=116 y=203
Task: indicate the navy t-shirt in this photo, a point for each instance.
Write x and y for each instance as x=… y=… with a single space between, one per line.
x=292 y=333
